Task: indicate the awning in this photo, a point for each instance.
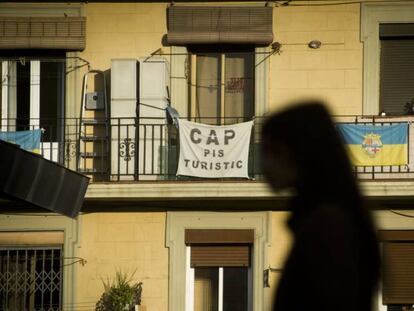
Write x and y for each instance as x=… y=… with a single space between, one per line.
x=219 y=25
x=29 y=177
x=65 y=33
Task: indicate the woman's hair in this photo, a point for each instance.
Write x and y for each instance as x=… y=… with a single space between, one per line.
x=317 y=149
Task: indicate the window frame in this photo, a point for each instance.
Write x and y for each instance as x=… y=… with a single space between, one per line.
x=177 y=222
x=190 y=283
x=45 y=223
x=222 y=52
x=51 y=148
x=372 y=15
x=179 y=66
x=31 y=280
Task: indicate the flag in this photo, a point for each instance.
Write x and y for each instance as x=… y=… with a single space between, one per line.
x=27 y=140
x=376 y=145
x=210 y=151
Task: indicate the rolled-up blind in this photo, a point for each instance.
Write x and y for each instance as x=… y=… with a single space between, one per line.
x=219 y=247
x=220 y=256
x=224 y=25
x=219 y=236
x=66 y=33
x=398 y=267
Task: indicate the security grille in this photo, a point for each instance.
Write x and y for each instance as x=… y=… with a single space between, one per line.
x=30 y=279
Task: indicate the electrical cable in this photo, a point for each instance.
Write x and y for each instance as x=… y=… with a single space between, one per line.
x=291 y=3
x=401 y=214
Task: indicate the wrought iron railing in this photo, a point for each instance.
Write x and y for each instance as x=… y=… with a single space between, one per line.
x=131 y=149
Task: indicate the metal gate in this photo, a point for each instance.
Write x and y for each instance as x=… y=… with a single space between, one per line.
x=31 y=279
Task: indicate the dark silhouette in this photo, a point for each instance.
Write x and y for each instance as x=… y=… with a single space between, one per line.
x=334 y=261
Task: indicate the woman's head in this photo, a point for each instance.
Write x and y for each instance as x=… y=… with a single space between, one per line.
x=302 y=149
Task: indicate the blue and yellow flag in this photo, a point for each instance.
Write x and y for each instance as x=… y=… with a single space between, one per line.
x=371 y=145
x=27 y=140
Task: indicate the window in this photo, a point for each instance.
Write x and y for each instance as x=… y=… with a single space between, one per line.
x=31 y=270
x=373 y=15
x=222 y=84
x=218 y=276
x=30 y=279
x=218 y=270
x=398 y=269
x=397 y=68
x=33 y=95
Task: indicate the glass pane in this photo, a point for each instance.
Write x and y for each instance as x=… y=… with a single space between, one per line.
x=23 y=95
x=235 y=289
x=51 y=98
x=206 y=289
x=239 y=80
x=208 y=88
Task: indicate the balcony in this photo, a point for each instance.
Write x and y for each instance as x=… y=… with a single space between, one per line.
x=147 y=149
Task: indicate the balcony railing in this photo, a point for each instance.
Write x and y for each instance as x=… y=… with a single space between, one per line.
x=131 y=149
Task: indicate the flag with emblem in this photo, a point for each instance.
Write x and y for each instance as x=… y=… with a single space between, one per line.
x=376 y=145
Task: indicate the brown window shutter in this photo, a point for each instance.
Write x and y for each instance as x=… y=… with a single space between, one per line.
x=219 y=236
x=219 y=25
x=398 y=271
x=220 y=256
x=220 y=247
x=65 y=33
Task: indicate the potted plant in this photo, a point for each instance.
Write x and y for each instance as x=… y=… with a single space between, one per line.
x=120 y=294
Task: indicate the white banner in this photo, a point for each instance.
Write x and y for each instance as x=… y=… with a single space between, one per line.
x=214 y=151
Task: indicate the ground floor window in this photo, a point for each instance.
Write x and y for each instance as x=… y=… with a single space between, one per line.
x=218 y=269
x=398 y=269
x=31 y=278
x=218 y=288
x=217 y=260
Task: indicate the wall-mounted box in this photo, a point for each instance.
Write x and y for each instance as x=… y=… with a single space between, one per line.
x=95 y=101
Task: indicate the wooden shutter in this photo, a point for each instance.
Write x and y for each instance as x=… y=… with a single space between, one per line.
x=226 y=25
x=220 y=256
x=397 y=67
x=219 y=247
x=398 y=271
x=219 y=236
x=66 y=33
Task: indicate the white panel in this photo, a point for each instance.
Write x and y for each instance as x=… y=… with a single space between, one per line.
x=4 y=95
x=123 y=87
x=220 y=290
x=189 y=282
x=50 y=151
x=154 y=81
x=9 y=98
x=34 y=94
x=123 y=105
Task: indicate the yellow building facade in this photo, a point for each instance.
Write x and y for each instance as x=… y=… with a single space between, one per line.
x=137 y=225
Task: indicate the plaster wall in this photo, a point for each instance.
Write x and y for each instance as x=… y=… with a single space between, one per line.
x=128 y=242
x=333 y=72
x=136 y=242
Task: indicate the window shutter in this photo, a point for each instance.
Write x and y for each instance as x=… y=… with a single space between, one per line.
x=398 y=274
x=219 y=247
x=219 y=236
x=220 y=256
x=397 y=67
x=226 y=25
x=65 y=33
